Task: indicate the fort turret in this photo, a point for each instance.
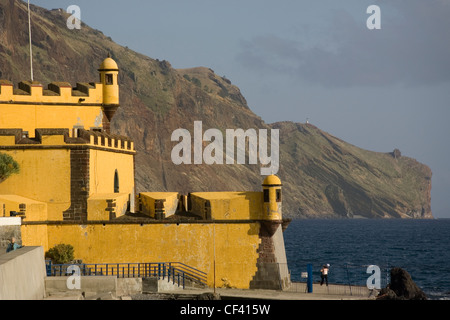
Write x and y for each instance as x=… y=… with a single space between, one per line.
x=109 y=72
x=272 y=198
x=89 y=106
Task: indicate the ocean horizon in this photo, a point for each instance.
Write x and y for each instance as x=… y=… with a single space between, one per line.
x=350 y=246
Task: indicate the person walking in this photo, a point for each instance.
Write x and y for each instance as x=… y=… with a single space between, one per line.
x=324 y=274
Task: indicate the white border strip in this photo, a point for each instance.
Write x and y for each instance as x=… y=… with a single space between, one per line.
x=10 y=221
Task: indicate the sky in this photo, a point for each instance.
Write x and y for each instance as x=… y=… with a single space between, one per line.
x=314 y=60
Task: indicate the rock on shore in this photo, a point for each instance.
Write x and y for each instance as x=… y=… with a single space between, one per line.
x=401 y=287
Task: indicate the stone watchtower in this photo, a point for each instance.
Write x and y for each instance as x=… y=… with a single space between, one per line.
x=272 y=269
x=272 y=198
x=109 y=72
x=88 y=105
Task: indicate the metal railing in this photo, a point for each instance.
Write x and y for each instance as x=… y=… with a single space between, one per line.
x=177 y=272
x=332 y=289
x=347 y=279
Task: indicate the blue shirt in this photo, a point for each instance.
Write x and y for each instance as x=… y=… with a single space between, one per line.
x=13 y=246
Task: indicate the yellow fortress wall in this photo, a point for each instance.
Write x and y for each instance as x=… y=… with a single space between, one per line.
x=193 y=244
x=23 y=207
x=164 y=202
x=227 y=205
x=37 y=166
x=30 y=106
x=107 y=206
x=61 y=170
x=88 y=105
x=105 y=167
x=76 y=186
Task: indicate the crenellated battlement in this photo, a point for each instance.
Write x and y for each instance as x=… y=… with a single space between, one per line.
x=56 y=93
x=10 y=138
x=88 y=105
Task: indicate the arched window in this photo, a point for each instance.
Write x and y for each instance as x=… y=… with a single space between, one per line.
x=116 y=182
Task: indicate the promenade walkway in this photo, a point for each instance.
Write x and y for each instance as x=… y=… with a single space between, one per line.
x=297 y=291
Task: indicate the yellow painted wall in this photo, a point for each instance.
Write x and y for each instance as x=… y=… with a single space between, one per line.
x=35 y=235
x=228 y=205
x=7 y=140
x=31 y=117
x=110 y=92
x=272 y=209
x=35 y=210
x=29 y=105
x=44 y=176
x=147 y=201
x=103 y=165
x=3 y=209
x=50 y=111
x=38 y=94
x=45 y=173
x=97 y=205
x=193 y=244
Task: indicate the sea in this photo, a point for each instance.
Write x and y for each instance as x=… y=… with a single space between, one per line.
x=350 y=246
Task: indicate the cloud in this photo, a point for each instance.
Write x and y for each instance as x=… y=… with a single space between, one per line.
x=412 y=48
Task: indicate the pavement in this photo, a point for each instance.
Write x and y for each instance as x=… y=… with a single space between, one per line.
x=297 y=291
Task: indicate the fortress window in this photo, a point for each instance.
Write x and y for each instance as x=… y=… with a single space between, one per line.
x=266 y=195
x=109 y=78
x=116 y=182
x=278 y=194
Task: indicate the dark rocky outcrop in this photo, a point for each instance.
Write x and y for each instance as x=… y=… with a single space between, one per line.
x=401 y=287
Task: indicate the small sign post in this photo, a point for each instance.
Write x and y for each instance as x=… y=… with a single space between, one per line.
x=310 y=278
